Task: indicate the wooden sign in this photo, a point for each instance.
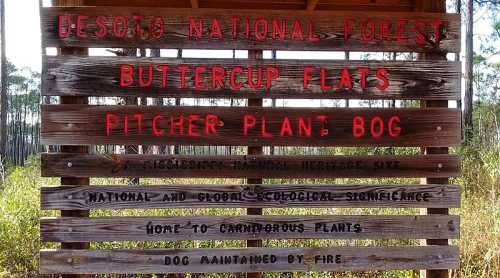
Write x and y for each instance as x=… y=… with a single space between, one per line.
x=249 y=196
x=74 y=124
x=86 y=165
x=150 y=125
x=247 y=260
x=247 y=227
x=130 y=27
x=121 y=76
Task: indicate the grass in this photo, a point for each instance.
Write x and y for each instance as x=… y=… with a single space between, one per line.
x=480 y=220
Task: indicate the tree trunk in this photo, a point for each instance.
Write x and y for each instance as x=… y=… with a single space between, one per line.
x=3 y=94
x=469 y=70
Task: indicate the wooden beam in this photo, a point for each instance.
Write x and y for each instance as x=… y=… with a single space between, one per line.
x=311 y=4
x=195 y=4
x=75 y=149
x=436 y=7
x=239 y=260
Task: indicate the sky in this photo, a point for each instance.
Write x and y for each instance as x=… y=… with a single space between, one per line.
x=23 y=37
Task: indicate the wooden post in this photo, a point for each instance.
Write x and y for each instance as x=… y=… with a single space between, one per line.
x=73 y=149
x=438 y=6
x=254 y=54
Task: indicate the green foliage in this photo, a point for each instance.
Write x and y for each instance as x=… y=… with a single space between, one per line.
x=19 y=221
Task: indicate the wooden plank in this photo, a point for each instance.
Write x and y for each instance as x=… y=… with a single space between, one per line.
x=345 y=5
x=247 y=260
x=248 y=227
x=249 y=196
x=79 y=165
x=304 y=30
x=119 y=76
x=252 y=126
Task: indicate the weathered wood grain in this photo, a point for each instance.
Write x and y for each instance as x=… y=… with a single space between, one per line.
x=78 y=165
x=275 y=260
x=346 y=5
x=248 y=196
x=328 y=26
x=100 y=76
x=248 y=227
x=84 y=124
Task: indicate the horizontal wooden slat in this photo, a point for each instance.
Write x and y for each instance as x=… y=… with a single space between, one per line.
x=247 y=260
x=102 y=76
x=152 y=125
x=248 y=196
x=78 y=165
x=248 y=227
x=416 y=30
x=349 y=5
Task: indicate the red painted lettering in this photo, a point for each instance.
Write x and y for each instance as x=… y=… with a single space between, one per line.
x=297 y=32
x=385 y=30
x=374 y=123
x=323 y=128
x=215 y=30
x=64 y=26
x=345 y=80
x=249 y=121
x=218 y=76
x=232 y=78
x=348 y=23
x=139 y=33
x=102 y=28
x=382 y=75
x=192 y=127
x=126 y=75
x=149 y=81
x=368 y=31
x=234 y=26
x=164 y=75
x=312 y=36
x=179 y=123
x=264 y=132
x=139 y=117
x=81 y=25
x=363 y=71
x=260 y=29
x=120 y=27
x=323 y=85
x=307 y=75
x=279 y=32
x=272 y=74
x=211 y=123
x=286 y=127
x=419 y=31
x=394 y=126
x=111 y=122
x=198 y=78
x=358 y=127
x=305 y=127
x=182 y=72
x=157 y=131
x=157 y=27
x=195 y=29
x=401 y=36
x=251 y=82
x=437 y=23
